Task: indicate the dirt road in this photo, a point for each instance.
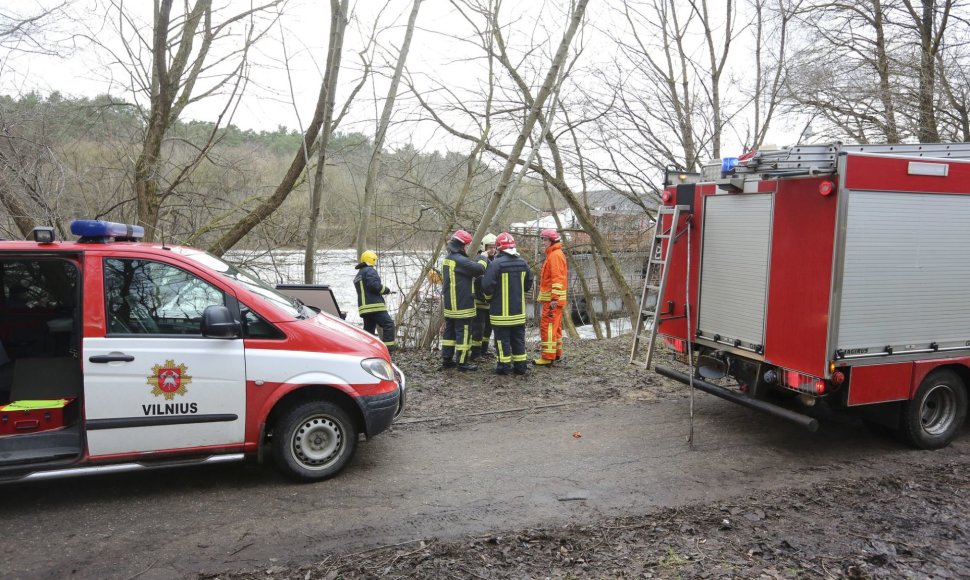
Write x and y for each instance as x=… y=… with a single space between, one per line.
x=574 y=463
x=590 y=474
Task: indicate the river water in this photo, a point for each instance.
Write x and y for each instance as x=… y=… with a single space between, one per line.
x=335 y=267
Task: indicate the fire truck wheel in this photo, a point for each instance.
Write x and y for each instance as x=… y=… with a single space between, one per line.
x=935 y=415
x=314 y=441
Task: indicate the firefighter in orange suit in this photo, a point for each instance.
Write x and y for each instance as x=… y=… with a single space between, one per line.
x=552 y=297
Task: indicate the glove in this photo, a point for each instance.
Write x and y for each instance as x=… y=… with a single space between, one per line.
x=553 y=304
x=387 y=291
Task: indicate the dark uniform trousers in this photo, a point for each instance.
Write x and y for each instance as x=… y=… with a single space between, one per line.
x=510 y=343
x=481 y=332
x=457 y=339
x=384 y=320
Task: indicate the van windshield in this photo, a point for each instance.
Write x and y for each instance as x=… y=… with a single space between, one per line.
x=290 y=305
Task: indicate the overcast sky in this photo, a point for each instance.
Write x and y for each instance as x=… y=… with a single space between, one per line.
x=438 y=60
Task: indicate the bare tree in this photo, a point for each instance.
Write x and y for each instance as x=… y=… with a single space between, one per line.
x=338 y=24
x=767 y=94
x=930 y=18
x=184 y=69
x=656 y=113
x=955 y=86
x=28 y=31
x=535 y=110
x=870 y=68
x=385 y=120
x=556 y=172
x=718 y=59
x=265 y=207
x=23 y=157
x=857 y=33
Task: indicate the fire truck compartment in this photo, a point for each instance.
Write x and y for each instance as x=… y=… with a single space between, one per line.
x=734 y=271
x=904 y=274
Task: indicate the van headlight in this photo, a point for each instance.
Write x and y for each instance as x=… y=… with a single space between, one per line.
x=378 y=367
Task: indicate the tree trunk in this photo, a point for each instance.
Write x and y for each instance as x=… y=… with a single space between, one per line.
x=961 y=112
x=717 y=63
x=930 y=38
x=373 y=167
x=338 y=24
x=530 y=121
x=928 y=132
x=882 y=69
x=17 y=211
x=265 y=208
x=164 y=89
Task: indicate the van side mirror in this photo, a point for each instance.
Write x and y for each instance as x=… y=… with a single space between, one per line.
x=217 y=322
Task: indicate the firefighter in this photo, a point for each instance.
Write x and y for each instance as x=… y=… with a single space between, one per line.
x=482 y=329
x=505 y=283
x=552 y=297
x=459 y=302
x=370 y=299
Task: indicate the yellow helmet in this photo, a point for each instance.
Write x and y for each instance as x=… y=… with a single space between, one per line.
x=369 y=257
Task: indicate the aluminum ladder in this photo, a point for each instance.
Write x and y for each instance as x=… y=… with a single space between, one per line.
x=824 y=158
x=654 y=283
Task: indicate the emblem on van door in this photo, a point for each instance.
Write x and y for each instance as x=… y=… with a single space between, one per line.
x=169 y=379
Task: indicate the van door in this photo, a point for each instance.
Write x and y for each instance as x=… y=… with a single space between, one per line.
x=153 y=382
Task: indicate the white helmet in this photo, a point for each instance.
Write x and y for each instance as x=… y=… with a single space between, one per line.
x=488 y=240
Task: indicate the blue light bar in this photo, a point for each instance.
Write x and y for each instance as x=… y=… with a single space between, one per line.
x=97 y=229
x=727 y=164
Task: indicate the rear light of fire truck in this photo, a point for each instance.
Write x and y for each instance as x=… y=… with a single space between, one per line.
x=802 y=383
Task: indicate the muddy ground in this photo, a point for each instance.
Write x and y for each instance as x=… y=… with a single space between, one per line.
x=914 y=524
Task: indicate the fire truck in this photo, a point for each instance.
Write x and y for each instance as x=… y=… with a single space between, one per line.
x=833 y=272
x=117 y=355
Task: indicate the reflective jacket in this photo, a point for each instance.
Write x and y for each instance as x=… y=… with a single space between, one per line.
x=370 y=290
x=552 y=280
x=481 y=302
x=458 y=271
x=506 y=281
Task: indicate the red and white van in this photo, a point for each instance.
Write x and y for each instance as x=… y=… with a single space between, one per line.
x=118 y=355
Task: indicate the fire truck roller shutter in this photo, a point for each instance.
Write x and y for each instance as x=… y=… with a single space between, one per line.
x=906 y=272
x=734 y=269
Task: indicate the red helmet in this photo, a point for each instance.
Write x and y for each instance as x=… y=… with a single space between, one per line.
x=549 y=234
x=504 y=241
x=462 y=236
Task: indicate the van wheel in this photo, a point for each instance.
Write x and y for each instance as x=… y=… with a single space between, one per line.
x=314 y=441
x=935 y=415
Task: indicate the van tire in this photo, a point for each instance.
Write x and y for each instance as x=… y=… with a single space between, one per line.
x=314 y=441
x=935 y=414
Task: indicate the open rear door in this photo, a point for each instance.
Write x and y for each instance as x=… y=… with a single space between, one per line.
x=40 y=374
